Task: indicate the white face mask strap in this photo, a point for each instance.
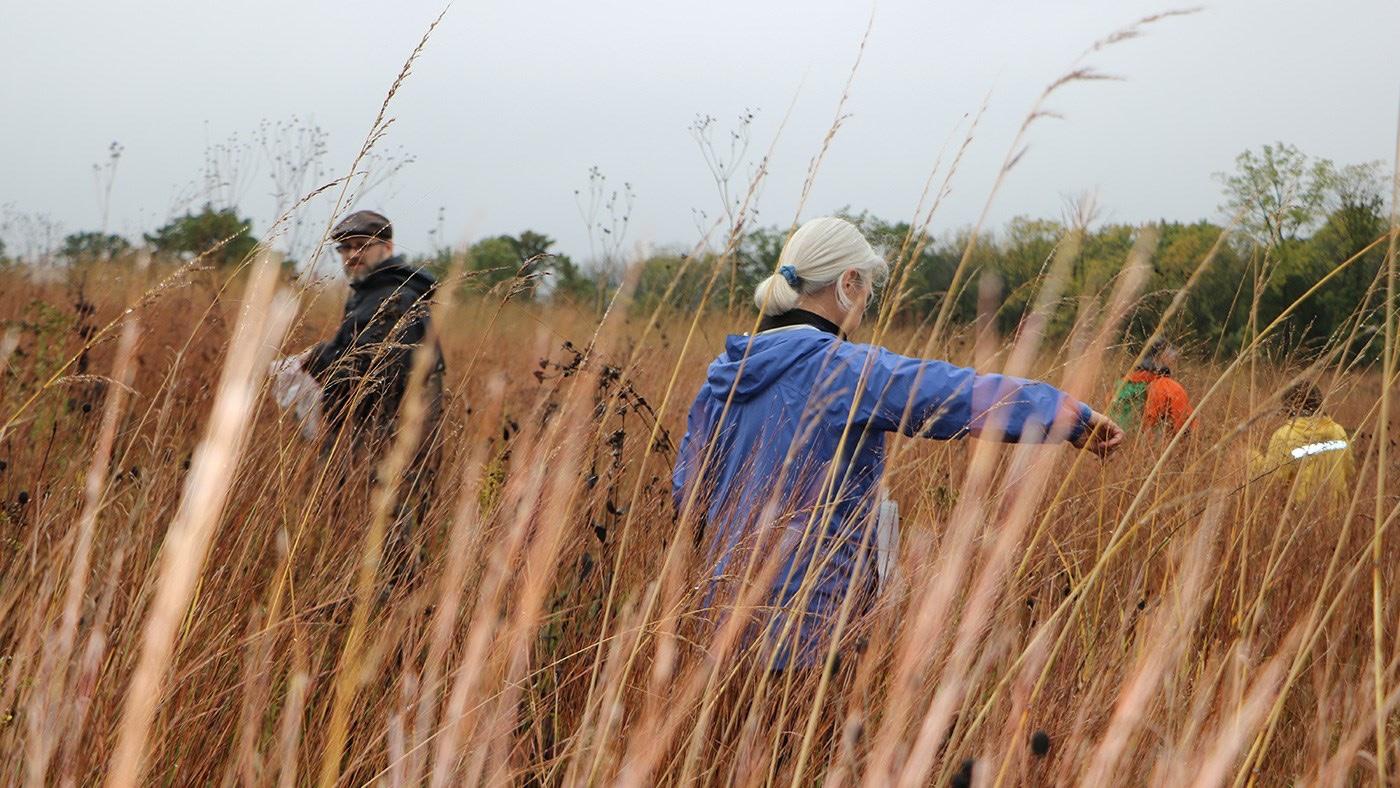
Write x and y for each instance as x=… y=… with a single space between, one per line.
x=841 y=297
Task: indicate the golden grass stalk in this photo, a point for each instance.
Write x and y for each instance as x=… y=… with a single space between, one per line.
x=265 y=317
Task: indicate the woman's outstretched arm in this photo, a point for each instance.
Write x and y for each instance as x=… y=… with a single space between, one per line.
x=936 y=399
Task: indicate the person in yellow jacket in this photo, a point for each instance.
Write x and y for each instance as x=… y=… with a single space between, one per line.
x=1310 y=451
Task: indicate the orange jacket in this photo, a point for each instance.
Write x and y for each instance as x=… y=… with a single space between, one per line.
x=1163 y=402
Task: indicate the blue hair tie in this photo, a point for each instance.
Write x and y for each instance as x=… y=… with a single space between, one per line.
x=790 y=274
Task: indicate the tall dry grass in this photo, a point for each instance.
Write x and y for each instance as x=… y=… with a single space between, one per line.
x=190 y=594
x=1159 y=617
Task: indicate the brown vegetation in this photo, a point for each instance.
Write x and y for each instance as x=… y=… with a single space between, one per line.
x=1153 y=618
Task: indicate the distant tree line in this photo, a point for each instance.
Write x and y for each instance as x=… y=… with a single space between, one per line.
x=1293 y=220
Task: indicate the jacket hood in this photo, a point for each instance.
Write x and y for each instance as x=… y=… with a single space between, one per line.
x=764 y=359
x=396 y=272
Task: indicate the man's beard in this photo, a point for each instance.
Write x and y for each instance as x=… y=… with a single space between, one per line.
x=361 y=273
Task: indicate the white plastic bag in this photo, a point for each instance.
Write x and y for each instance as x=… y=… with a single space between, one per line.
x=887 y=543
x=295 y=390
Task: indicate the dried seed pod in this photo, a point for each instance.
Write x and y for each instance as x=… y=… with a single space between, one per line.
x=963 y=777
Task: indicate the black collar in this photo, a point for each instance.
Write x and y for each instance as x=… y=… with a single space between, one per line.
x=800 y=317
x=376 y=276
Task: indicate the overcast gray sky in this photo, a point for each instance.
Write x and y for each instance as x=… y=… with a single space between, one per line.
x=513 y=102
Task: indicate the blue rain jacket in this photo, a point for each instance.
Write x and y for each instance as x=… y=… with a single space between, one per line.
x=784 y=458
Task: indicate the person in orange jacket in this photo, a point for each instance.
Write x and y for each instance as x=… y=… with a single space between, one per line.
x=1149 y=396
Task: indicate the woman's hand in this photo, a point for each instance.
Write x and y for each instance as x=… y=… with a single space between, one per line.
x=1100 y=436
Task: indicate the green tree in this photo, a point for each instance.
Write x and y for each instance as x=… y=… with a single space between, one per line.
x=502 y=258
x=730 y=279
x=202 y=233
x=1358 y=220
x=922 y=267
x=926 y=272
x=1213 y=314
x=1100 y=261
x=1022 y=255
x=90 y=246
x=493 y=260
x=532 y=250
x=570 y=282
x=530 y=244
x=660 y=271
x=1281 y=195
x=1278 y=192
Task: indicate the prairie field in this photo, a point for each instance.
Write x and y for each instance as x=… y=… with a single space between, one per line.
x=191 y=594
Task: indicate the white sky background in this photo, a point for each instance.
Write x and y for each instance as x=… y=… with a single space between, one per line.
x=512 y=102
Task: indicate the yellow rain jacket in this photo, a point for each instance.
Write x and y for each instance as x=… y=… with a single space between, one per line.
x=1316 y=452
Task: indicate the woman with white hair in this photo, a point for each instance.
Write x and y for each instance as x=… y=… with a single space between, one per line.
x=785 y=443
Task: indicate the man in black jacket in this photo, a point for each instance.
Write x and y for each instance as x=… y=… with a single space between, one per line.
x=365 y=369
